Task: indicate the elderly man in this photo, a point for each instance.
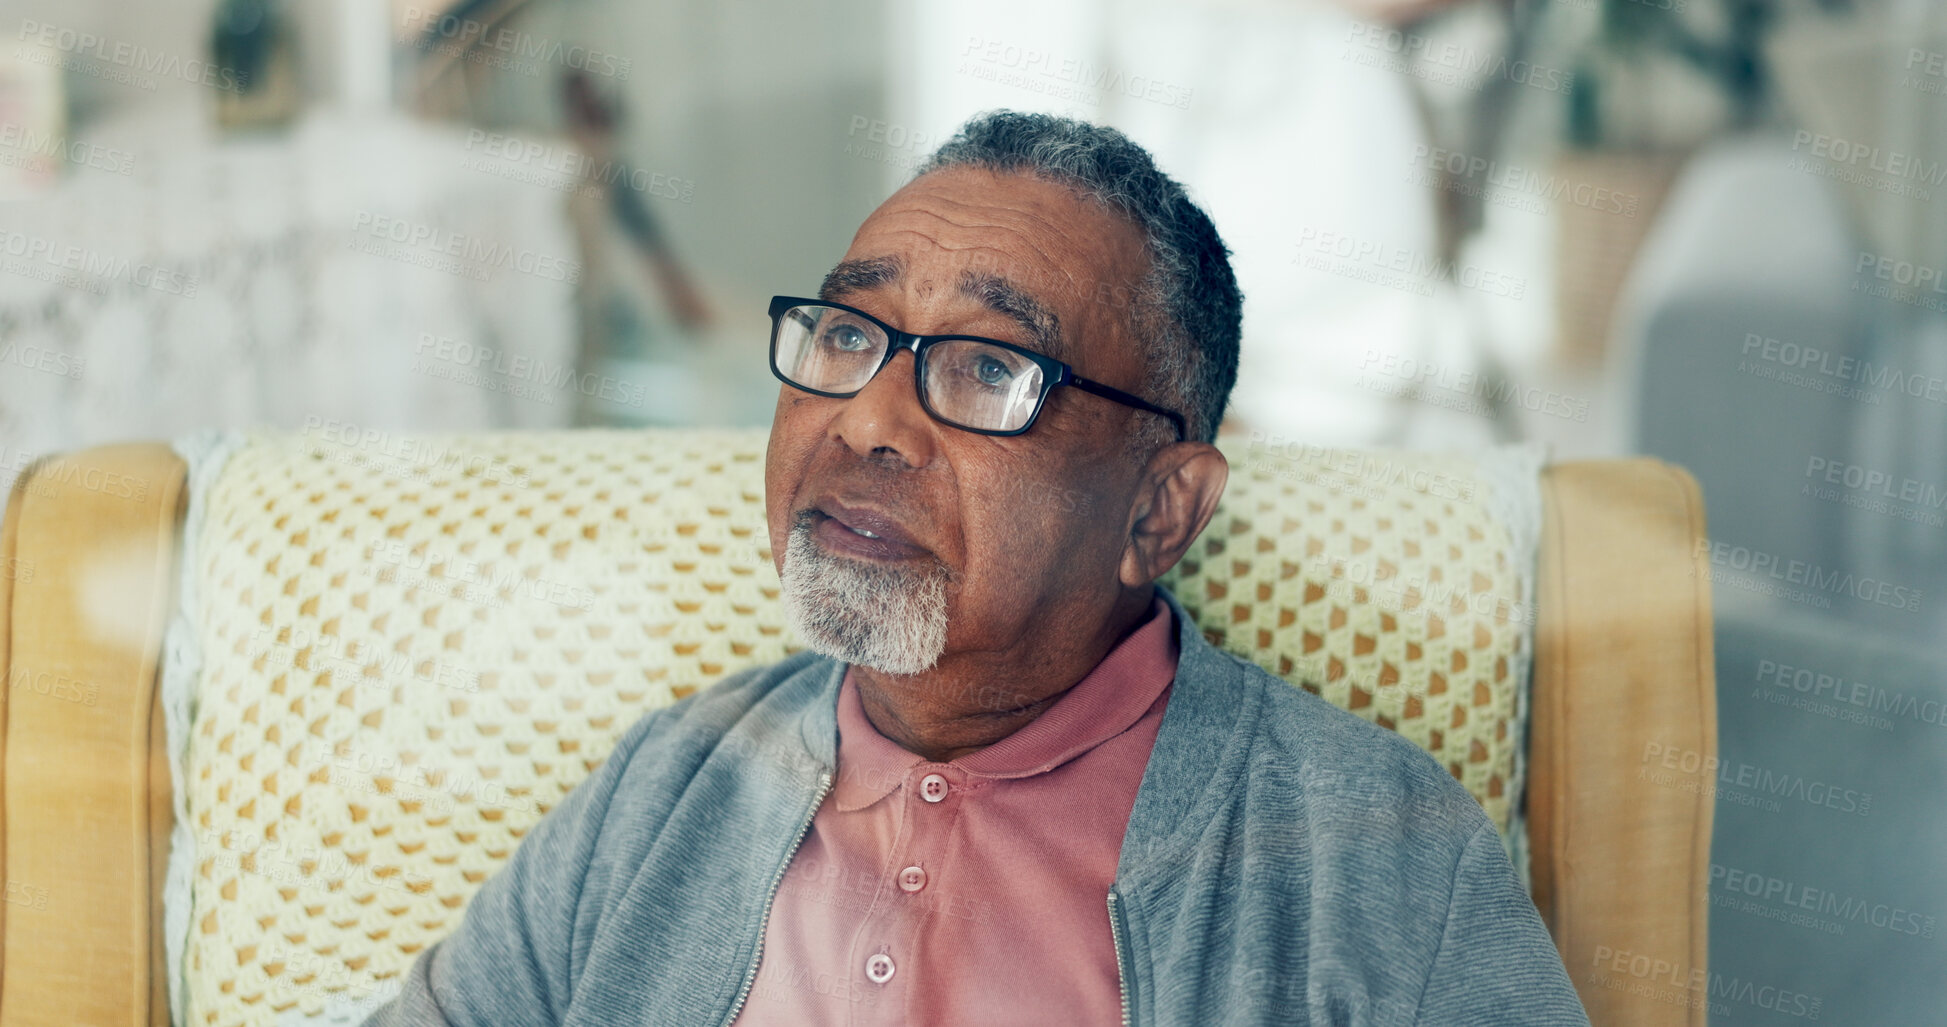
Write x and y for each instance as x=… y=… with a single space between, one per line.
x=1010 y=782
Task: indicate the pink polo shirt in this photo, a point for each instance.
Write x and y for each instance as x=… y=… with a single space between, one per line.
x=973 y=891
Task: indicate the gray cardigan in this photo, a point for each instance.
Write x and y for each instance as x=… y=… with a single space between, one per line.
x=1285 y=862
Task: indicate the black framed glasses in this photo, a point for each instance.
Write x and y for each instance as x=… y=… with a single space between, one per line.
x=979 y=385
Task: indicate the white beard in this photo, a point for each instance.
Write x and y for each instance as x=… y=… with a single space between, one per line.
x=888 y=618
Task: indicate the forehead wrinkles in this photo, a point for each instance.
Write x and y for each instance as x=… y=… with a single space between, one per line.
x=989 y=246
x=943 y=216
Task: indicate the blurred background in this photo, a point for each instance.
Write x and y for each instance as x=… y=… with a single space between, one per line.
x=1712 y=231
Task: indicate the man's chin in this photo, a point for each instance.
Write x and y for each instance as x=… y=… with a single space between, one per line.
x=898 y=670
x=859 y=649
x=890 y=617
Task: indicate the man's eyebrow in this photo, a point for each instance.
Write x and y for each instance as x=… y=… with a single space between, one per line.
x=1002 y=296
x=1042 y=325
x=849 y=276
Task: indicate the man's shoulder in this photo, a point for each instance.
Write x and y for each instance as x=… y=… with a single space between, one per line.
x=792 y=683
x=1349 y=773
x=762 y=706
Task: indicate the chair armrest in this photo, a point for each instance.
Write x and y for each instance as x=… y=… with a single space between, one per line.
x=87 y=565
x=1619 y=845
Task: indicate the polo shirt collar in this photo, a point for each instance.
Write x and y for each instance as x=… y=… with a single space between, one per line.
x=1105 y=703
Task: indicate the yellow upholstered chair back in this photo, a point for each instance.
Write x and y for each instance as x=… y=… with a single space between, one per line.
x=395 y=655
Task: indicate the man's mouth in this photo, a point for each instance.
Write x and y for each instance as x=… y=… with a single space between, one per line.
x=863 y=532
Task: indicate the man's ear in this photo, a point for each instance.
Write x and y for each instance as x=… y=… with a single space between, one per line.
x=1177 y=497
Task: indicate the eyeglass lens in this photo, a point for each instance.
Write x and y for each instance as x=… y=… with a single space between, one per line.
x=966 y=382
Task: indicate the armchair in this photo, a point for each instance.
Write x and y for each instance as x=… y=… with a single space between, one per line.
x=398 y=656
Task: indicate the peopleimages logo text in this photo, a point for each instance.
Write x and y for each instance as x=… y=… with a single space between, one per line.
x=1873 y=483
x=574 y=166
x=460 y=34
x=120 y=54
x=1464 y=60
x=1841 y=368
x=1468 y=382
x=1414 y=269
x=1901 y=281
x=1819 y=685
x=1891 y=163
x=1363 y=466
x=26 y=142
x=1747 y=778
x=1901 y=272
x=1073 y=71
x=1846 y=908
x=1515 y=179
x=1810 y=575
x=37 y=252
x=452 y=252
x=1615 y=965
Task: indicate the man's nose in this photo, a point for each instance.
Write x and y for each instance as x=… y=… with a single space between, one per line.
x=885 y=418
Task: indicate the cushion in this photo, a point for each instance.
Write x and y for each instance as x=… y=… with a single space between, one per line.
x=406 y=650
x=1397 y=586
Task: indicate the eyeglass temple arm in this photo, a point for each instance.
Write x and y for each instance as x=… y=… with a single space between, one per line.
x=1111 y=392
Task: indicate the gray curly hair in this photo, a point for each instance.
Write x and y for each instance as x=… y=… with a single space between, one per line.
x=1187 y=309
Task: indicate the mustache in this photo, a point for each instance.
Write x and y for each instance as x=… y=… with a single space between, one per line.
x=887 y=481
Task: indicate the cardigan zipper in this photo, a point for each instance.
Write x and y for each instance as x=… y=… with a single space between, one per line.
x=1121 y=968
x=770 y=897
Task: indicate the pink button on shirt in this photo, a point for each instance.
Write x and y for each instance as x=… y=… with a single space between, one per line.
x=974 y=891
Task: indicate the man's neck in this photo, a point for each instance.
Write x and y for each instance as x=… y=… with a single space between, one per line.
x=964 y=705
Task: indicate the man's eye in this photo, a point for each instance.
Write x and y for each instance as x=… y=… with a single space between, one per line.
x=990 y=371
x=847 y=339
